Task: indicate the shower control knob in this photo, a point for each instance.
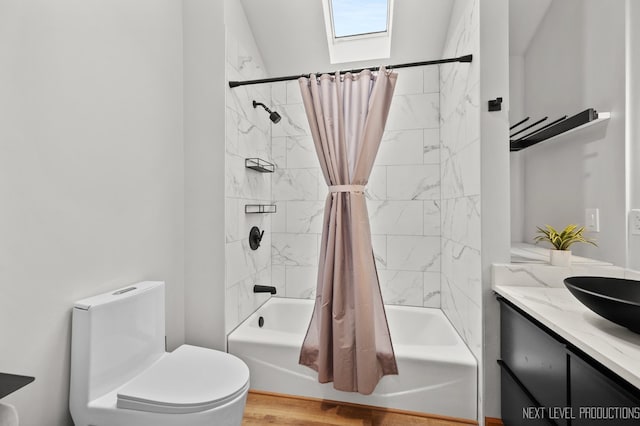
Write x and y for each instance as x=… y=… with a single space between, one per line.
x=255 y=236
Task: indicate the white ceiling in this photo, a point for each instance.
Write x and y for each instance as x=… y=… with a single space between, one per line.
x=291 y=34
x=524 y=18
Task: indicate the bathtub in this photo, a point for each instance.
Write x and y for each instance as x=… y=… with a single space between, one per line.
x=437 y=372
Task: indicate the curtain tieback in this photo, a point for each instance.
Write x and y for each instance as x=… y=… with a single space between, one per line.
x=346 y=188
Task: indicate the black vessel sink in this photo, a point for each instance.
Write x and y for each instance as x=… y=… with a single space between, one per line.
x=615 y=299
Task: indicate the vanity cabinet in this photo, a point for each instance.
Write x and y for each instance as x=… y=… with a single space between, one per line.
x=593 y=390
x=546 y=381
x=514 y=399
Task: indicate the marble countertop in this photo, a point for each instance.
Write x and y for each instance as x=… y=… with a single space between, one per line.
x=530 y=267
x=531 y=253
x=614 y=346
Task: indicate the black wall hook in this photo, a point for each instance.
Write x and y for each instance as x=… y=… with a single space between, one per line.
x=495 y=104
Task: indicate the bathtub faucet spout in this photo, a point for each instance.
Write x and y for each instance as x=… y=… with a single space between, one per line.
x=264 y=289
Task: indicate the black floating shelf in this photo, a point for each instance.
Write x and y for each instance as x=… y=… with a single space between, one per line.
x=562 y=125
x=259 y=208
x=259 y=165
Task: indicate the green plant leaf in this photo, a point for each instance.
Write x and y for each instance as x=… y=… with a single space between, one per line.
x=570 y=235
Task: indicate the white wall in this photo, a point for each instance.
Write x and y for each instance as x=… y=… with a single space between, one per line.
x=554 y=62
x=516 y=159
x=495 y=162
x=204 y=133
x=248 y=135
x=460 y=156
x=91 y=177
x=633 y=125
x=475 y=182
x=299 y=45
x=576 y=61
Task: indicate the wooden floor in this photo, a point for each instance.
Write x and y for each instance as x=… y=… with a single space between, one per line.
x=265 y=408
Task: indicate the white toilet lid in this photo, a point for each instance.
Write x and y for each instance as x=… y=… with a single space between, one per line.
x=187 y=380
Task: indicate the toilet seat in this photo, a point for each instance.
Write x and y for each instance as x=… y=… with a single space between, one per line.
x=188 y=380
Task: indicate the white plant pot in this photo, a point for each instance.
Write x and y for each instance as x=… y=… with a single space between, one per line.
x=560 y=257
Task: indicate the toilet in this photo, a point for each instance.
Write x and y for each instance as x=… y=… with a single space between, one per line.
x=122 y=376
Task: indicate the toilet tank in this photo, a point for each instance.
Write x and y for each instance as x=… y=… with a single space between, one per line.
x=115 y=336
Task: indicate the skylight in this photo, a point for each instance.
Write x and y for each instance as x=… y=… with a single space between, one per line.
x=359 y=17
x=358 y=30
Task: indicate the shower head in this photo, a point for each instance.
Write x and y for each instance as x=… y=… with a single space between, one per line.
x=273 y=116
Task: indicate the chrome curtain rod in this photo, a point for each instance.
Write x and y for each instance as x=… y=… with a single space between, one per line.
x=466 y=58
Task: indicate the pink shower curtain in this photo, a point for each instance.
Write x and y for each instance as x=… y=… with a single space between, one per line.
x=348 y=338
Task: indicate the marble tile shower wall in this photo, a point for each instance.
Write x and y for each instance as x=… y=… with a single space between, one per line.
x=403 y=194
x=460 y=173
x=248 y=135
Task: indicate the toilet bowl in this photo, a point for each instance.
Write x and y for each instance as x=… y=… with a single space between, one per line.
x=122 y=376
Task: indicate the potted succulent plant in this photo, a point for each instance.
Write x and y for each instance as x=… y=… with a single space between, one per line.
x=561 y=241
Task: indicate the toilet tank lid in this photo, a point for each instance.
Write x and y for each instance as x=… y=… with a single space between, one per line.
x=118 y=294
